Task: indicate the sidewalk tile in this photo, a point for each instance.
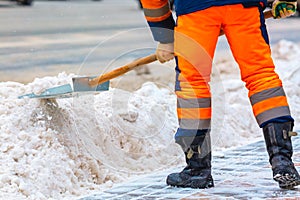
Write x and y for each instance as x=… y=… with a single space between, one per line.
x=242 y=173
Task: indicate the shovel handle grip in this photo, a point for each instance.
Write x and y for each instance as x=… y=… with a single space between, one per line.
x=268 y=14
x=122 y=70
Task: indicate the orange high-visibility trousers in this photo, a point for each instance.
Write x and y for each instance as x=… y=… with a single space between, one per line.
x=196 y=36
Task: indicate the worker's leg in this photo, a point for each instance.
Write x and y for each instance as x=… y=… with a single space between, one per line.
x=195 y=41
x=247 y=35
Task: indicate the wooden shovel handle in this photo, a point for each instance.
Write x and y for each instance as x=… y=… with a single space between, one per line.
x=122 y=70
x=267 y=15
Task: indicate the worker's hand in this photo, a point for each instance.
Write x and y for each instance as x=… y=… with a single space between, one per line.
x=164 y=52
x=283 y=8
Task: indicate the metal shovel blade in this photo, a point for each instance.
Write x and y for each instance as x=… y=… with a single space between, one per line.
x=81 y=84
x=80 y=87
x=63 y=91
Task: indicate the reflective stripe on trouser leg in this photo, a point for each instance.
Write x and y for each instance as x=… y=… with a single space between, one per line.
x=194 y=113
x=195 y=43
x=247 y=35
x=269 y=104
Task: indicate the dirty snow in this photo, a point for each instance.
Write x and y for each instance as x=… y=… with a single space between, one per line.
x=71 y=147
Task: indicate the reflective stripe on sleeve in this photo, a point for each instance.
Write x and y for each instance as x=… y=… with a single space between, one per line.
x=157 y=14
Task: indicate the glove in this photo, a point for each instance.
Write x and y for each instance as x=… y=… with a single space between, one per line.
x=164 y=52
x=283 y=8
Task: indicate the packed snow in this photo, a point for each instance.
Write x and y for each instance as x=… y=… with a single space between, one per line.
x=66 y=148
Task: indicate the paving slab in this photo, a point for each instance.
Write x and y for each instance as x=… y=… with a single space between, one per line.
x=242 y=173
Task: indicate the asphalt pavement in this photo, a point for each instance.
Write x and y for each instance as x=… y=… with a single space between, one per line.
x=80 y=37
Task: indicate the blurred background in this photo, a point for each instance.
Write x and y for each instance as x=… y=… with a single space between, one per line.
x=43 y=38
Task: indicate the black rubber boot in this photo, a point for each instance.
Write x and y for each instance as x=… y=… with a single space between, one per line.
x=197 y=173
x=279 y=146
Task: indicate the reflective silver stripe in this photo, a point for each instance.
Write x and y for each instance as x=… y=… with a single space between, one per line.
x=266 y=94
x=192 y=124
x=157 y=12
x=273 y=113
x=194 y=103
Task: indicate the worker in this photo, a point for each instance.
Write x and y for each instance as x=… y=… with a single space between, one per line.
x=193 y=41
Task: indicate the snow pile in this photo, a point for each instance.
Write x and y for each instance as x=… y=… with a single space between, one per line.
x=287 y=61
x=52 y=149
x=233 y=121
x=286 y=50
x=72 y=147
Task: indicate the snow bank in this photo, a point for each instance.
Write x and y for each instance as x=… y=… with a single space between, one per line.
x=70 y=147
x=56 y=149
x=287 y=61
x=233 y=121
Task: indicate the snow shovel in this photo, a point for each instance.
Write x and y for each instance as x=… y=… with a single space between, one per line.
x=83 y=85
x=86 y=85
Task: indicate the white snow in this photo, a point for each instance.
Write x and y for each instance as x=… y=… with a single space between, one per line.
x=71 y=147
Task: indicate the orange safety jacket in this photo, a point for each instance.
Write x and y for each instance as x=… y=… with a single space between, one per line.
x=159 y=15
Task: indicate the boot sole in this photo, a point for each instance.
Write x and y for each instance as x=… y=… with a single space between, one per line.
x=286 y=181
x=192 y=184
